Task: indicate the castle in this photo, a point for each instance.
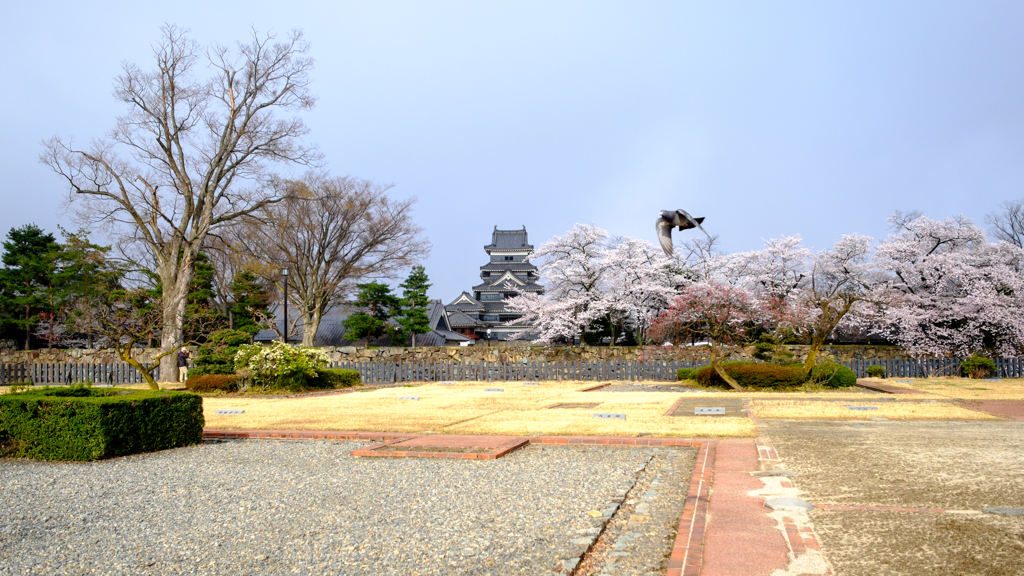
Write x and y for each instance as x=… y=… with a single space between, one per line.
x=481 y=312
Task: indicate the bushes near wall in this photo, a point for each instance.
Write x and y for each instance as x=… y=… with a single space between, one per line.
x=875 y=371
x=686 y=373
x=211 y=382
x=217 y=355
x=81 y=423
x=754 y=375
x=977 y=367
x=831 y=375
x=335 y=378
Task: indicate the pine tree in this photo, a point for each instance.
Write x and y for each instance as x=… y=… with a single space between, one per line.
x=26 y=280
x=413 y=315
x=251 y=298
x=379 y=305
x=201 y=317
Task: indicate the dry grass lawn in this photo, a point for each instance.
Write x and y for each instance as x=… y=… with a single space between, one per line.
x=794 y=408
x=963 y=388
x=466 y=408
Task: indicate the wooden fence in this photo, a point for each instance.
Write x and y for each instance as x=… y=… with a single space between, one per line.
x=392 y=372
x=61 y=373
x=389 y=372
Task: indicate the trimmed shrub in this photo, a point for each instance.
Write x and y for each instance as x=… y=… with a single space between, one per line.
x=764 y=350
x=82 y=423
x=217 y=355
x=875 y=371
x=754 y=375
x=334 y=378
x=832 y=375
x=211 y=382
x=977 y=367
x=686 y=373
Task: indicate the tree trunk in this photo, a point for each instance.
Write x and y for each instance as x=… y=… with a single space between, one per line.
x=173 y=301
x=716 y=364
x=310 y=326
x=812 y=354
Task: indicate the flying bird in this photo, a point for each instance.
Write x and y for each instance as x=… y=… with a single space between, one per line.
x=670 y=218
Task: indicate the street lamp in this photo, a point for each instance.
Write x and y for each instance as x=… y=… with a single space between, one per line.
x=488 y=337
x=284 y=273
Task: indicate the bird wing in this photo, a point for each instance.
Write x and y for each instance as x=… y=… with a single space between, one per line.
x=693 y=223
x=664 y=229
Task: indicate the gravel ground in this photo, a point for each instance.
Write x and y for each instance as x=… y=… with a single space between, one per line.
x=278 y=507
x=963 y=466
x=638 y=539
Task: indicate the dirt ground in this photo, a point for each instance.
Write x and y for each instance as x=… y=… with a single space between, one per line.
x=960 y=466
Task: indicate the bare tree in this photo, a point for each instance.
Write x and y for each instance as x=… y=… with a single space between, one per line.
x=1008 y=225
x=123 y=319
x=332 y=233
x=192 y=153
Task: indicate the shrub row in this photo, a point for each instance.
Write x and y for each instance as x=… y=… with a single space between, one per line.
x=766 y=376
x=81 y=423
x=326 y=379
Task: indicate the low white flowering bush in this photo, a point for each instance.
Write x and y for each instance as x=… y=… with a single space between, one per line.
x=279 y=365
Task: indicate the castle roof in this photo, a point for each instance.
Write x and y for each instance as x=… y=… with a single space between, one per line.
x=466 y=303
x=509 y=241
x=512 y=266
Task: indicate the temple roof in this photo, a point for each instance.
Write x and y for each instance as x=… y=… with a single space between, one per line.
x=509 y=240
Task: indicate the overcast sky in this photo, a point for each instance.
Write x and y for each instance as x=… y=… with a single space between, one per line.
x=767 y=118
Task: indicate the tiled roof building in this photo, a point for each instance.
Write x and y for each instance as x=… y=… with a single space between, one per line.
x=507 y=274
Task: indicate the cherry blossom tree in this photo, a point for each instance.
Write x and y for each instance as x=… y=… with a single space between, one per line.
x=959 y=293
x=722 y=313
x=640 y=284
x=573 y=268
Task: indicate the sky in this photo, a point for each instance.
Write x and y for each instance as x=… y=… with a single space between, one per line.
x=766 y=118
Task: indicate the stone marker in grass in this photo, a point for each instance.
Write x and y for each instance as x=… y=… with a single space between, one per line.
x=862 y=407
x=408 y=397
x=609 y=415
x=531 y=383
x=228 y=412
x=709 y=410
x=494 y=389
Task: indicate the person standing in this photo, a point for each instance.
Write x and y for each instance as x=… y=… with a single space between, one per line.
x=184 y=359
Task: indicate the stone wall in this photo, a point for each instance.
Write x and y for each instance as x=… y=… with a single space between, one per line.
x=480 y=354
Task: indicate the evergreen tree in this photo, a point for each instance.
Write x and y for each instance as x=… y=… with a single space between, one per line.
x=379 y=304
x=83 y=274
x=251 y=298
x=412 y=317
x=201 y=317
x=26 y=280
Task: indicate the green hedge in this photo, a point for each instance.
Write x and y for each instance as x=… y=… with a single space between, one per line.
x=334 y=378
x=754 y=375
x=211 y=382
x=875 y=371
x=686 y=373
x=80 y=423
x=833 y=376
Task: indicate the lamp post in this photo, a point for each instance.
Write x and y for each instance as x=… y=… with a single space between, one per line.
x=488 y=337
x=284 y=273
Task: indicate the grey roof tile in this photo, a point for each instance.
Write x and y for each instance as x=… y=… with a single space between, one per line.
x=509 y=240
